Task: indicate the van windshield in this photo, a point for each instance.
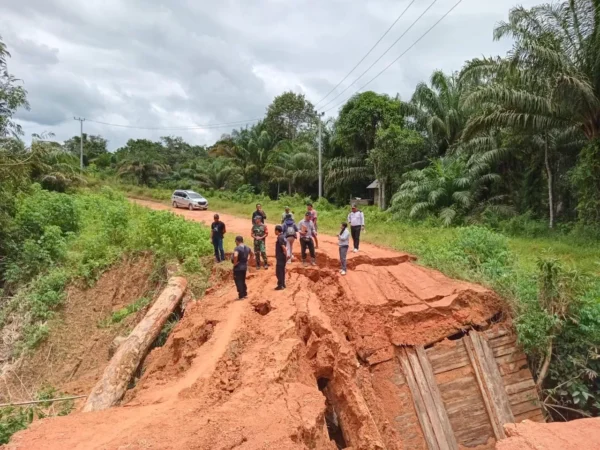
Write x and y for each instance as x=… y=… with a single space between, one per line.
x=194 y=195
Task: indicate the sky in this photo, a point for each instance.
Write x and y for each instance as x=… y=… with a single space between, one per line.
x=191 y=63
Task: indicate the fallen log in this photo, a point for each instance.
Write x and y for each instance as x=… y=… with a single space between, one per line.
x=115 y=379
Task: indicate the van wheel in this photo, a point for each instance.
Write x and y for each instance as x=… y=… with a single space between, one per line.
x=174 y=204
x=190 y=207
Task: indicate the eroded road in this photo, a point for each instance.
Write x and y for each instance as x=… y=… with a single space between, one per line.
x=313 y=366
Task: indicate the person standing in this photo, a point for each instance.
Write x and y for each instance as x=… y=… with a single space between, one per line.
x=259 y=233
x=356 y=219
x=289 y=231
x=240 y=256
x=259 y=213
x=313 y=218
x=280 y=257
x=217 y=232
x=286 y=213
x=344 y=243
x=307 y=232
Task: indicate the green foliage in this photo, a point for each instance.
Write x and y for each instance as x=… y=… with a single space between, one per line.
x=12 y=97
x=118 y=316
x=17 y=418
x=289 y=115
x=586 y=179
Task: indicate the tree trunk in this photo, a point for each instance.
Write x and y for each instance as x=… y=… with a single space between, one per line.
x=290 y=188
x=382 y=187
x=115 y=379
x=549 y=177
x=545 y=366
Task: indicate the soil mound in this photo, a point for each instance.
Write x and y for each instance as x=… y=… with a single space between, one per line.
x=73 y=357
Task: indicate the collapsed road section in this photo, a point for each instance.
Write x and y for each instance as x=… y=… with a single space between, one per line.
x=392 y=356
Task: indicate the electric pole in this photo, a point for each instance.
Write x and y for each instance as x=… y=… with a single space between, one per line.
x=81 y=120
x=319 y=115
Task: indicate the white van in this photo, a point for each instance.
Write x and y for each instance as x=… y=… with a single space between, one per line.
x=188 y=199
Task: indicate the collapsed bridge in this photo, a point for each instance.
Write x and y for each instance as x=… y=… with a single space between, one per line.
x=392 y=356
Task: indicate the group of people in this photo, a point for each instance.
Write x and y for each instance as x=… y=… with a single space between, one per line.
x=287 y=232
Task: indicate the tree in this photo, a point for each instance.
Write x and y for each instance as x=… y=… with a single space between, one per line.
x=141 y=159
x=395 y=149
x=437 y=111
x=361 y=117
x=94 y=149
x=289 y=115
x=12 y=97
x=294 y=164
x=449 y=187
x=549 y=83
x=217 y=174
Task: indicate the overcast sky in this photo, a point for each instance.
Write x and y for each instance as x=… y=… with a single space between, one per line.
x=182 y=63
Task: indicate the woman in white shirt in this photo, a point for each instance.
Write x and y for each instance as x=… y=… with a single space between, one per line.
x=344 y=243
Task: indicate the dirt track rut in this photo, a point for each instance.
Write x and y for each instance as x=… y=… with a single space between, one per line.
x=309 y=367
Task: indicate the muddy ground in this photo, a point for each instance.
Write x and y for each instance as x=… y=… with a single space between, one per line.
x=308 y=367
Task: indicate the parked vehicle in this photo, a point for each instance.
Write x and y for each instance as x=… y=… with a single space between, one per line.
x=188 y=199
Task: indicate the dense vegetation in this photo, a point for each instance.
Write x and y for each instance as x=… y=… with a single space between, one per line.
x=481 y=170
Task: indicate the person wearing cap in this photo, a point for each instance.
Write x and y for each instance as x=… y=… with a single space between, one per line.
x=241 y=254
x=286 y=213
x=259 y=233
x=313 y=218
x=307 y=232
x=356 y=220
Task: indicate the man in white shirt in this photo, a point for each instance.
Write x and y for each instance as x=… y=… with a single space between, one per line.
x=356 y=220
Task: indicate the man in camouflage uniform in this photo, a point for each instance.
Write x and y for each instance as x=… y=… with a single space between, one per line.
x=259 y=234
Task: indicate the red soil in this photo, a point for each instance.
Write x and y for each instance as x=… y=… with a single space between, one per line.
x=266 y=373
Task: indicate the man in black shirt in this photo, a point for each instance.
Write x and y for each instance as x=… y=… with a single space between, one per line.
x=280 y=257
x=241 y=253
x=217 y=231
x=259 y=213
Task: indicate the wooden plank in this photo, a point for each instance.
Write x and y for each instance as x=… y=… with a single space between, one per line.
x=526 y=406
x=521 y=386
x=450 y=364
x=508 y=368
x=513 y=357
x=523 y=396
x=516 y=377
x=475 y=362
x=418 y=401
x=442 y=416
x=498 y=332
x=494 y=380
x=430 y=408
x=537 y=417
x=506 y=350
x=504 y=340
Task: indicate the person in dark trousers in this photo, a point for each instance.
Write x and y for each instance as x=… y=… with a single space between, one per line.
x=280 y=257
x=343 y=243
x=240 y=257
x=217 y=232
x=307 y=232
x=259 y=233
x=313 y=219
x=356 y=220
x=259 y=213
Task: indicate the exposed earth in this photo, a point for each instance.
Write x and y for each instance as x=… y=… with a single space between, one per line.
x=308 y=367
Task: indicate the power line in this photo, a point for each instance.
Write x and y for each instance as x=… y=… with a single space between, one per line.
x=401 y=55
x=368 y=53
x=383 y=54
x=195 y=127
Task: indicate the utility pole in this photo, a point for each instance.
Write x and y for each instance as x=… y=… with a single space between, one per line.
x=319 y=115
x=81 y=120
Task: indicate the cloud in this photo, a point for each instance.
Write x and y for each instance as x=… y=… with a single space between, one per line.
x=183 y=63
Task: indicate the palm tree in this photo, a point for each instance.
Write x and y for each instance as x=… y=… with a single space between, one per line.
x=142 y=167
x=295 y=164
x=548 y=86
x=448 y=187
x=217 y=174
x=438 y=111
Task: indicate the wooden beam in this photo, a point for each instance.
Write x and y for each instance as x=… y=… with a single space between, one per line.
x=418 y=401
x=112 y=386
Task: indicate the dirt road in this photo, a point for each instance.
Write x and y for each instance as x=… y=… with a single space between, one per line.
x=309 y=367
